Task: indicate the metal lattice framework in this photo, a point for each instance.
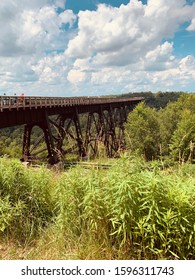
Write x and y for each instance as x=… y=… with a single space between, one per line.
x=59 y=119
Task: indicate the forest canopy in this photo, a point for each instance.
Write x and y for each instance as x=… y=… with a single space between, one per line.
x=168 y=132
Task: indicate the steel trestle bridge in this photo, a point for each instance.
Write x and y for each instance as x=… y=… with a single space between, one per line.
x=59 y=119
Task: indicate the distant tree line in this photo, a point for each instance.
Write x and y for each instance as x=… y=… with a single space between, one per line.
x=156 y=100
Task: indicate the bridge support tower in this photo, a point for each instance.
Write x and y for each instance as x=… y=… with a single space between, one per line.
x=75 y=132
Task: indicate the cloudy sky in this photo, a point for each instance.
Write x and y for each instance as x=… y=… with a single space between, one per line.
x=96 y=47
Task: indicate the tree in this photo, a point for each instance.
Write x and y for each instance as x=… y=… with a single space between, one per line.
x=170 y=118
x=183 y=139
x=142 y=131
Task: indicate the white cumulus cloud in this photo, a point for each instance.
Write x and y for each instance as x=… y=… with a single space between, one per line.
x=121 y=36
x=112 y=50
x=33 y=32
x=131 y=46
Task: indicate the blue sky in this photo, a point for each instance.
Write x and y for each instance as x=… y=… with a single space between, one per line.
x=184 y=42
x=76 y=5
x=96 y=47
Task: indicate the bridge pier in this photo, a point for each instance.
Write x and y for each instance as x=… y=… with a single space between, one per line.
x=29 y=152
x=79 y=139
x=64 y=131
x=107 y=127
x=26 y=142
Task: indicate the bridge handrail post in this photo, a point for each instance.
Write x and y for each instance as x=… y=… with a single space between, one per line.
x=1 y=104
x=23 y=101
x=9 y=101
x=41 y=103
x=46 y=103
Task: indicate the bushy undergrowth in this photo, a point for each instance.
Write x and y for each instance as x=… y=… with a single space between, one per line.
x=132 y=211
x=26 y=201
x=141 y=212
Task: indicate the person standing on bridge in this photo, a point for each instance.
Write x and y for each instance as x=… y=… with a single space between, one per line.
x=21 y=98
x=4 y=99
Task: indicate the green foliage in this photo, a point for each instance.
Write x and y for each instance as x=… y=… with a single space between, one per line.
x=11 y=141
x=8 y=212
x=167 y=132
x=70 y=192
x=142 y=131
x=183 y=139
x=155 y=100
x=26 y=202
x=133 y=210
x=151 y=212
x=138 y=210
x=168 y=119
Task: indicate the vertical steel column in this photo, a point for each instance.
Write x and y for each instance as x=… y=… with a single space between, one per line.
x=61 y=133
x=101 y=122
x=110 y=134
x=79 y=139
x=26 y=142
x=52 y=151
x=88 y=130
x=122 y=120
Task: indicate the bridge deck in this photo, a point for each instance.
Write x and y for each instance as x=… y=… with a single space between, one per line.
x=16 y=102
x=23 y=110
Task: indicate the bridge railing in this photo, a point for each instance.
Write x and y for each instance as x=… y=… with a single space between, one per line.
x=11 y=102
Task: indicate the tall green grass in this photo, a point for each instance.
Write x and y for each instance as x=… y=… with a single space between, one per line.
x=133 y=210
x=26 y=200
x=139 y=211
